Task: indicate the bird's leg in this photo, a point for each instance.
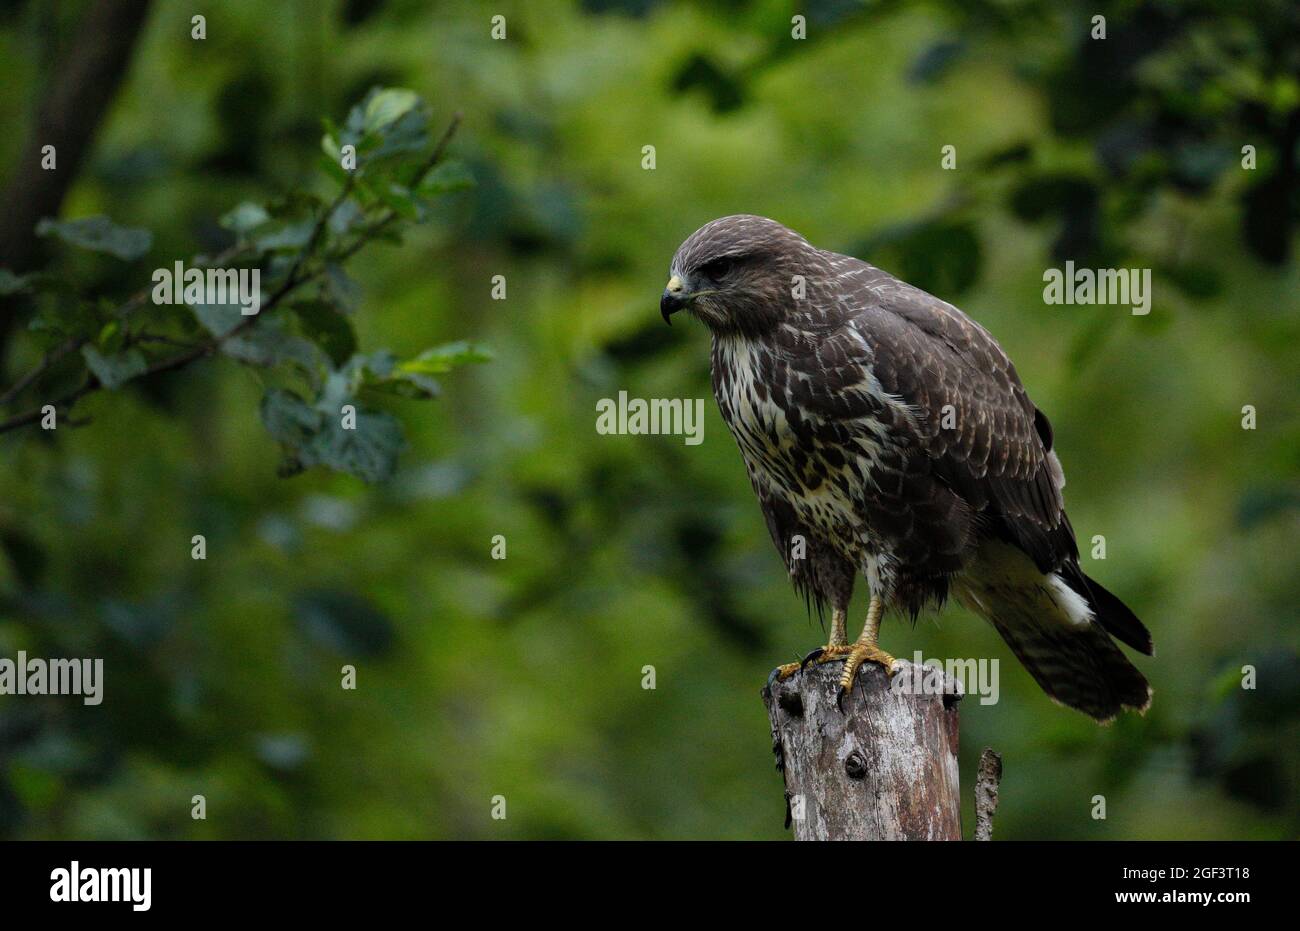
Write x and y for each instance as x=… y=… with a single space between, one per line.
x=866 y=649
x=837 y=647
x=838 y=635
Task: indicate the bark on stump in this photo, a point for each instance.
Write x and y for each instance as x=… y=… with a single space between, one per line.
x=885 y=768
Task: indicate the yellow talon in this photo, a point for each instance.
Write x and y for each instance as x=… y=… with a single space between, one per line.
x=866 y=649
x=861 y=653
x=818 y=656
x=833 y=650
x=785 y=671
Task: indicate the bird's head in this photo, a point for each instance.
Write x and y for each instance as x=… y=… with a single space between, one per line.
x=738 y=274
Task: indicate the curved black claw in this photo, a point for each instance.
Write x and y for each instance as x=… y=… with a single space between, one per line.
x=771 y=680
x=839 y=699
x=811 y=656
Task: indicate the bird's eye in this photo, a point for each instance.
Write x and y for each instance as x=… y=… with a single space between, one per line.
x=719 y=268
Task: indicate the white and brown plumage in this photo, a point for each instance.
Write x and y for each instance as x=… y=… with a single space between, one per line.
x=886 y=433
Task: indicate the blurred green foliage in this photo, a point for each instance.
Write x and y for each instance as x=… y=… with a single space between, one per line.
x=522 y=677
x=384 y=182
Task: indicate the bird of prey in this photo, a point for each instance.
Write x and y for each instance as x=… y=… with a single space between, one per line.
x=887 y=433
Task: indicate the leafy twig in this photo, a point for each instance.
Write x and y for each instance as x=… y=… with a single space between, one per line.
x=293 y=280
x=72 y=344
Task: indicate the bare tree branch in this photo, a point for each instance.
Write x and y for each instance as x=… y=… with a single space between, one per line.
x=987 y=781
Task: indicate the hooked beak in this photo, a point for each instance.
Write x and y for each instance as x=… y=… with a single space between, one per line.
x=675 y=297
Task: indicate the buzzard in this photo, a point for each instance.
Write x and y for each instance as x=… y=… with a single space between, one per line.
x=887 y=433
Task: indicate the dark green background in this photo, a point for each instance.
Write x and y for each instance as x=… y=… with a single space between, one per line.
x=522 y=677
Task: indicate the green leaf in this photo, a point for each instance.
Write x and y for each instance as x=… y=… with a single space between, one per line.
x=388 y=122
x=385 y=106
x=411 y=379
x=344 y=290
x=328 y=328
x=443 y=359
x=408 y=385
x=334 y=168
x=379 y=371
x=287 y=418
x=400 y=200
x=245 y=218
x=408 y=134
x=369 y=451
x=365 y=369
x=111 y=337
x=99 y=234
x=269 y=343
x=316 y=435
x=115 y=370
x=66 y=319
x=449 y=176
x=288 y=235
x=218 y=319
x=347 y=215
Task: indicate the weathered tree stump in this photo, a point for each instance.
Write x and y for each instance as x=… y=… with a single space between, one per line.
x=884 y=768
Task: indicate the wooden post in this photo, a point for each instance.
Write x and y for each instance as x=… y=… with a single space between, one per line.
x=884 y=768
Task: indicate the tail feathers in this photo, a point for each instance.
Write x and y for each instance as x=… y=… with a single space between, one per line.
x=1116 y=617
x=1078 y=665
x=1057 y=625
